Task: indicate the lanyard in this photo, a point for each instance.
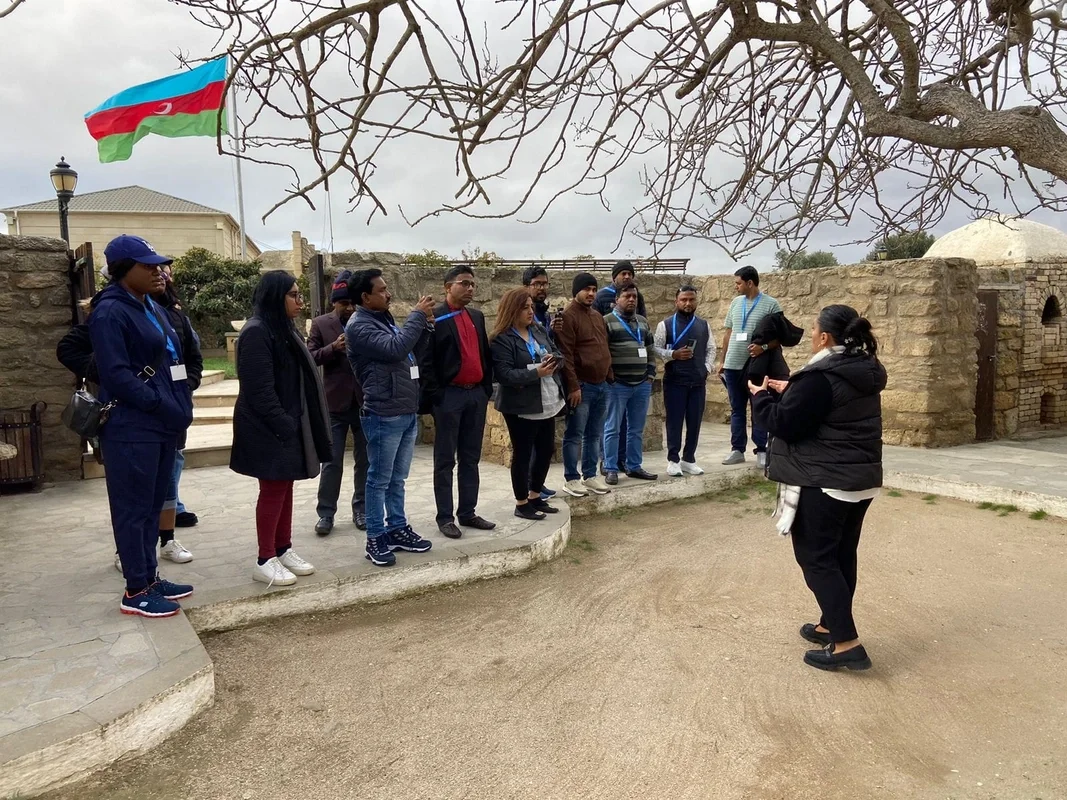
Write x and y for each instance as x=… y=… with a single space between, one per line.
x=159 y=327
x=675 y=336
x=635 y=332
x=745 y=313
x=531 y=346
x=447 y=316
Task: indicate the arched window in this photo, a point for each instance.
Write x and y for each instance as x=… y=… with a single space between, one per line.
x=1051 y=313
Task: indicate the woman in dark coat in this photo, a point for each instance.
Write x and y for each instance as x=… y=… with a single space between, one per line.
x=826 y=453
x=531 y=395
x=281 y=430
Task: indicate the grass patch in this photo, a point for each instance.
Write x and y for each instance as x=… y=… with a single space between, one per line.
x=931 y=499
x=221 y=363
x=894 y=493
x=1039 y=514
x=1001 y=509
x=584 y=544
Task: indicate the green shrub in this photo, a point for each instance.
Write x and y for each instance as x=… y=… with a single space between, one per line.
x=214 y=290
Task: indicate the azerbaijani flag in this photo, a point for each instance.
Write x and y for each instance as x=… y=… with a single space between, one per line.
x=186 y=104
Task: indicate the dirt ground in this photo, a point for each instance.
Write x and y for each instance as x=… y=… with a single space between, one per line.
x=659 y=658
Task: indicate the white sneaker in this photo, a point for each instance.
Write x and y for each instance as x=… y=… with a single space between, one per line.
x=673 y=469
x=118 y=562
x=736 y=457
x=596 y=485
x=295 y=564
x=761 y=459
x=174 y=551
x=691 y=468
x=575 y=488
x=273 y=573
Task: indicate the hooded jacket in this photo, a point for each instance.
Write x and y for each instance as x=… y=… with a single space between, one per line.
x=827 y=425
x=125 y=341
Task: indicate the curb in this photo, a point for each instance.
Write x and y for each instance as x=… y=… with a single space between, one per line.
x=1053 y=505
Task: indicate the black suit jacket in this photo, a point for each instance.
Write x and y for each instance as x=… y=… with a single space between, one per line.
x=343 y=391
x=441 y=359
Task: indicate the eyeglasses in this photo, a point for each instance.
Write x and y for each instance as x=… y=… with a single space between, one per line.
x=539 y=284
x=296 y=296
x=467 y=284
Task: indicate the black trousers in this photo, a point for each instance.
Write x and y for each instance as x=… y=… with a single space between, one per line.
x=459 y=421
x=826 y=535
x=532 y=443
x=330 y=478
x=683 y=404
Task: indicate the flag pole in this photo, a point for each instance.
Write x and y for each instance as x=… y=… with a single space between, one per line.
x=240 y=185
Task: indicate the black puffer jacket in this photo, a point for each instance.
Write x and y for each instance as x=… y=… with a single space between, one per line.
x=827 y=425
x=771 y=363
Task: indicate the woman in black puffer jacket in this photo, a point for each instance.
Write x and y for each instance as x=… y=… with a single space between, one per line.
x=826 y=421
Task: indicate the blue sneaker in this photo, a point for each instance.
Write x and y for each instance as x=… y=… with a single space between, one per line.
x=172 y=591
x=406 y=539
x=547 y=493
x=379 y=552
x=148 y=603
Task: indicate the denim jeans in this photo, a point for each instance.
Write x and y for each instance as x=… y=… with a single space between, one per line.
x=390 y=447
x=739 y=401
x=631 y=401
x=585 y=426
x=179 y=465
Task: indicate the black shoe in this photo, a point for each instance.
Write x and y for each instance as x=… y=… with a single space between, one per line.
x=542 y=506
x=407 y=540
x=359 y=517
x=450 y=529
x=477 y=522
x=186 y=519
x=611 y=478
x=807 y=631
x=527 y=511
x=379 y=552
x=642 y=475
x=324 y=526
x=856 y=658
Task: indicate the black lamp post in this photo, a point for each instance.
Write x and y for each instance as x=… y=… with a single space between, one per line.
x=65 y=180
x=883 y=253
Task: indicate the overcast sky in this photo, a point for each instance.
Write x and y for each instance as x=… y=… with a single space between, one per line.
x=61 y=58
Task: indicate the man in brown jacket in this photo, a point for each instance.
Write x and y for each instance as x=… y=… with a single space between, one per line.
x=583 y=340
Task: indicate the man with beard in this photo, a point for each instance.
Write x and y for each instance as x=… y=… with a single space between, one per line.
x=535 y=279
x=344 y=397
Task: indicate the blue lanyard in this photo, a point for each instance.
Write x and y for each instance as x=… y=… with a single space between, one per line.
x=531 y=347
x=745 y=313
x=675 y=336
x=447 y=316
x=155 y=321
x=396 y=330
x=634 y=332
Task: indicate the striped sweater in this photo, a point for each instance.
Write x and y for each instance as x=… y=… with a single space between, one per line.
x=626 y=361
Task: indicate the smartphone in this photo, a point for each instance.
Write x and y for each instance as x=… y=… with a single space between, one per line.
x=691 y=344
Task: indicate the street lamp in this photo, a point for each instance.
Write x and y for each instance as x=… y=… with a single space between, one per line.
x=882 y=252
x=64 y=179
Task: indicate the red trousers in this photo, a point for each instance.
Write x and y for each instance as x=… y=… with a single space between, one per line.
x=274 y=517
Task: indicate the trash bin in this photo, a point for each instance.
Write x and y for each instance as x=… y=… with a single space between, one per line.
x=21 y=446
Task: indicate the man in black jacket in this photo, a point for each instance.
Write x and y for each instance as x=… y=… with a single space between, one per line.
x=458 y=384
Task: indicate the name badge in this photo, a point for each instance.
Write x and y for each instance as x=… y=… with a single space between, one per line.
x=414 y=373
x=741 y=337
x=178 y=373
x=532 y=366
x=642 y=352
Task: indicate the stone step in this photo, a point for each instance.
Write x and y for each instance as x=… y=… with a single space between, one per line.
x=207 y=445
x=212 y=376
x=216 y=395
x=216 y=415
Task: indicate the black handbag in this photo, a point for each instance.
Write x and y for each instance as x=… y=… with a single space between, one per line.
x=86 y=415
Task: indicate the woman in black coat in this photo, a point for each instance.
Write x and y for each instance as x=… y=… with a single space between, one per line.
x=826 y=453
x=281 y=429
x=531 y=394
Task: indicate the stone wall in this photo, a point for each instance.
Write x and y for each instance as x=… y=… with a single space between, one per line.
x=35 y=314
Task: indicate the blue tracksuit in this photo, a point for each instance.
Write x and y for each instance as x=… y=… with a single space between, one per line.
x=140 y=437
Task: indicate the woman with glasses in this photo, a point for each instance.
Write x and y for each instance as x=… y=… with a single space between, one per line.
x=281 y=429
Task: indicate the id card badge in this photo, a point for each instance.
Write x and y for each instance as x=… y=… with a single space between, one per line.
x=642 y=352
x=532 y=366
x=178 y=373
x=741 y=337
x=414 y=373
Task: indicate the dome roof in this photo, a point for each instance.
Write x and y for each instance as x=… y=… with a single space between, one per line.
x=1001 y=239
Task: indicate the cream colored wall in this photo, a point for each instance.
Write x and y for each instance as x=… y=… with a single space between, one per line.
x=172 y=234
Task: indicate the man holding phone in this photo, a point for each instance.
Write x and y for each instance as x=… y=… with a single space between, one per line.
x=684 y=342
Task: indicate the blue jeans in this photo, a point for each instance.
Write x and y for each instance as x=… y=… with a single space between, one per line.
x=739 y=400
x=179 y=465
x=631 y=402
x=585 y=426
x=390 y=447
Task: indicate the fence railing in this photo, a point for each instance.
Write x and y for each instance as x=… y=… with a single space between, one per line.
x=653 y=265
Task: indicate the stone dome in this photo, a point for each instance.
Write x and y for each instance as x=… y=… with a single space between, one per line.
x=996 y=239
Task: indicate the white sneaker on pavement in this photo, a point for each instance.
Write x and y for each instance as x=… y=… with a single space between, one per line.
x=174 y=551
x=691 y=468
x=575 y=488
x=736 y=457
x=272 y=573
x=673 y=469
x=597 y=485
x=295 y=564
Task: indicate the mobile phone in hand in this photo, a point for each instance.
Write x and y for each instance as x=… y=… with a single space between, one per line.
x=691 y=344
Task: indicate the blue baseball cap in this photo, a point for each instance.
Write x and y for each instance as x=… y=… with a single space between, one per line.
x=134 y=248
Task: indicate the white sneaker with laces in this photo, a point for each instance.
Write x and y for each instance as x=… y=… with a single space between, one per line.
x=673 y=469
x=272 y=573
x=295 y=564
x=691 y=468
x=597 y=485
x=575 y=489
x=174 y=551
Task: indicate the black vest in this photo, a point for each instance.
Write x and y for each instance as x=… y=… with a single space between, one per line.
x=846 y=452
x=692 y=372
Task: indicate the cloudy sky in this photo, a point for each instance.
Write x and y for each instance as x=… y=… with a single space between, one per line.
x=61 y=58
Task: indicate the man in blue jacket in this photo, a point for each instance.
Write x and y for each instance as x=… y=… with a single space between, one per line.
x=142 y=371
x=385 y=361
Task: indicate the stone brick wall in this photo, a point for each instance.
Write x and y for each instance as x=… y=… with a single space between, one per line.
x=34 y=315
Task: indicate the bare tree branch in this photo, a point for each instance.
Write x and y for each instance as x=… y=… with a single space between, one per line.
x=12 y=5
